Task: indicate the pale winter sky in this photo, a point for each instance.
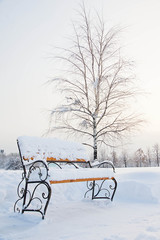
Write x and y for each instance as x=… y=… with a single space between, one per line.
x=29 y=30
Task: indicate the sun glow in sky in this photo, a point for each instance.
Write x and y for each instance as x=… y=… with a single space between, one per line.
x=29 y=31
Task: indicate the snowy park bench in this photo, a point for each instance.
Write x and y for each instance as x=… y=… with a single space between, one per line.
x=47 y=161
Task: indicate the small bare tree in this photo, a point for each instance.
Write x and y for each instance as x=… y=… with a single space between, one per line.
x=97 y=86
x=149 y=157
x=140 y=158
x=156 y=150
x=114 y=158
x=124 y=158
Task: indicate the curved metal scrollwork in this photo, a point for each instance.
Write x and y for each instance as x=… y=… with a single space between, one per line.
x=90 y=187
x=62 y=164
x=55 y=163
x=104 y=164
x=38 y=169
x=34 y=199
x=102 y=189
x=72 y=164
x=99 y=188
x=31 y=198
x=20 y=193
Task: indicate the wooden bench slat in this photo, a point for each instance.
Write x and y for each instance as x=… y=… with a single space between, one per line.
x=51 y=159
x=79 y=180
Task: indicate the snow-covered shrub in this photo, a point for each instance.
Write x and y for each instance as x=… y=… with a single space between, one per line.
x=10 y=161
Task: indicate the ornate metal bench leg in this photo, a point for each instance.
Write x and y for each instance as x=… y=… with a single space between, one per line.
x=30 y=198
x=20 y=192
x=102 y=189
x=37 y=200
x=24 y=196
x=93 y=188
x=113 y=188
x=48 y=198
x=90 y=186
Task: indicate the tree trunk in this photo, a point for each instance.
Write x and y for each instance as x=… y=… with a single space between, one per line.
x=95 y=150
x=125 y=162
x=94 y=139
x=158 y=159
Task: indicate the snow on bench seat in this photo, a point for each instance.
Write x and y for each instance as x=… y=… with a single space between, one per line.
x=53 y=150
x=79 y=175
x=50 y=149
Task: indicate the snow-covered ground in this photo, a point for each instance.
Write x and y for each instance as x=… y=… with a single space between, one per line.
x=134 y=213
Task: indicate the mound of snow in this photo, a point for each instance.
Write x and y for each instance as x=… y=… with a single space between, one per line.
x=133 y=215
x=138 y=185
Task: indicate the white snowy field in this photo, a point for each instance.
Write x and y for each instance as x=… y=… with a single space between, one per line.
x=134 y=213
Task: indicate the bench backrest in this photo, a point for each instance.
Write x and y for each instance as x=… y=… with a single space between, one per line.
x=50 y=149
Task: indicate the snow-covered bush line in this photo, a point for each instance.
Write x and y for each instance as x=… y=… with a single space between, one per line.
x=10 y=161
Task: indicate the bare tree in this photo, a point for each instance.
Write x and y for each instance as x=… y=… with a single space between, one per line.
x=149 y=158
x=124 y=158
x=97 y=87
x=114 y=158
x=102 y=155
x=140 y=158
x=156 y=150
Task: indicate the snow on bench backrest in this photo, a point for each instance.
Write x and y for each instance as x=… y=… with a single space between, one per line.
x=36 y=148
